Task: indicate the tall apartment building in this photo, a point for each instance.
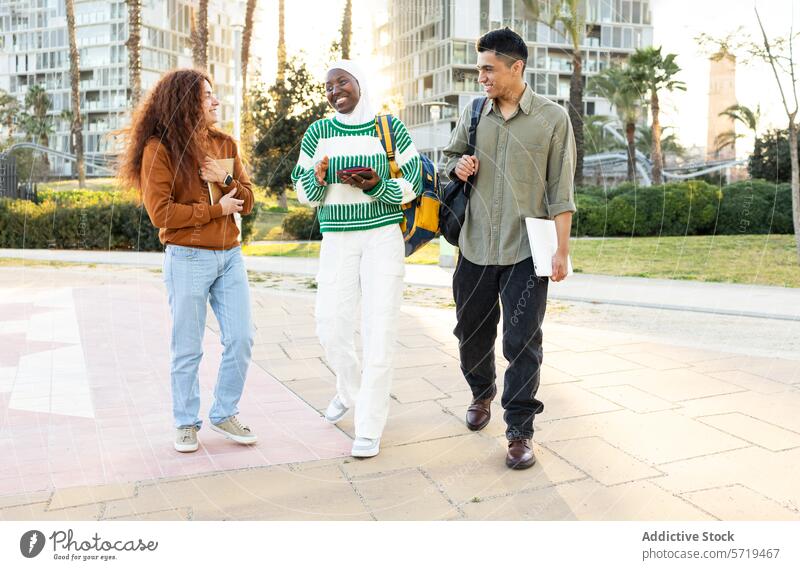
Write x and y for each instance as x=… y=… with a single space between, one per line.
x=428 y=49
x=34 y=50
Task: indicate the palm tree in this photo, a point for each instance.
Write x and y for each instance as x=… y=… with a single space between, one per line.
x=653 y=72
x=347 y=29
x=745 y=115
x=616 y=84
x=134 y=45
x=75 y=81
x=34 y=119
x=247 y=35
x=9 y=108
x=596 y=138
x=571 y=16
x=669 y=142
x=200 y=37
x=281 y=43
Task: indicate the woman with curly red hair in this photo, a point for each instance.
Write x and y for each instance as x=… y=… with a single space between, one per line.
x=170 y=154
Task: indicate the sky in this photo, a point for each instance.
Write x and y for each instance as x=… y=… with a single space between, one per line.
x=312 y=25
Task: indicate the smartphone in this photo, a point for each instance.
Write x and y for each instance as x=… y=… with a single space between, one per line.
x=360 y=170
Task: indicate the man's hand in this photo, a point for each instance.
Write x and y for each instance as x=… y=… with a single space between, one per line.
x=467 y=166
x=321 y=170
x=212 y=172
x=559 y=266
x=230 y=204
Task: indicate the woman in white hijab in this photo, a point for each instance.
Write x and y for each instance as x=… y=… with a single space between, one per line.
x=343 y=168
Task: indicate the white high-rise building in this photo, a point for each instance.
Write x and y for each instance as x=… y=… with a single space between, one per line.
x=428 y=49
x=34 y=50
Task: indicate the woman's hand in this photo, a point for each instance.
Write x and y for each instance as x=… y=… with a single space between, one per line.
x=212 y=172
x=321 y=170
x=366 y=181
x=230 y=204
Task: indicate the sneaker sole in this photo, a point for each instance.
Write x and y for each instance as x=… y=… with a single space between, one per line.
x=334 y=419
x=238 y=439
x=183 y=448
x=365 y=452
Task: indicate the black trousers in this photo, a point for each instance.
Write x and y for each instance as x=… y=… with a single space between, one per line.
x=481 y=292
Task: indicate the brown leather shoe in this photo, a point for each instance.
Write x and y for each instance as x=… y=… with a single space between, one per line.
x=520 y=455
x=479 y=411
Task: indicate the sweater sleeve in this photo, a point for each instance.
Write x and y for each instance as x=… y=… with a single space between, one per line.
x=158 y=178
x=409 y=186
x=309 y=191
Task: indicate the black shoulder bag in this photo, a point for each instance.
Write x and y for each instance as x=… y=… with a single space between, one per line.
x=453 y=208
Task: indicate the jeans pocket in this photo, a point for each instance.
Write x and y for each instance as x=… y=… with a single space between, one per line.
x=183 y=252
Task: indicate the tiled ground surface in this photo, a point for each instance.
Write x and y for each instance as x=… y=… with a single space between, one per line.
x=632 y=430
x=85 y=399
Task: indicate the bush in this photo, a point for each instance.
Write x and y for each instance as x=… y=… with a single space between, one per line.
x=302 y=224
x=84 y=219
x=684 y=208
x=771 y=157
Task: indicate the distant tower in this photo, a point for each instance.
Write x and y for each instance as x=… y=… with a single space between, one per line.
x=721 y=95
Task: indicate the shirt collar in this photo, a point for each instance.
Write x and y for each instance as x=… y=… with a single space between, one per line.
x=525 y=103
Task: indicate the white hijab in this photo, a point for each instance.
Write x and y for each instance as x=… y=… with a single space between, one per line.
x=363 y=111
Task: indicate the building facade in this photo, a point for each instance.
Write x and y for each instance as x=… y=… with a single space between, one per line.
x=34 y=50
x=428 y=49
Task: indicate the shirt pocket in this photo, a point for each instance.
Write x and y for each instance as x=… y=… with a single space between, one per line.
x=527 y=162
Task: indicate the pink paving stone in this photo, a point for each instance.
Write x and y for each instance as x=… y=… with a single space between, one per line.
x=124 y=333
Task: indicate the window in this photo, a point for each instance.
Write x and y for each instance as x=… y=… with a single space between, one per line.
x=636 y=12
x=627 y=38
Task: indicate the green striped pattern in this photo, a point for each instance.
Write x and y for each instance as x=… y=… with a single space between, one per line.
x=329 y=137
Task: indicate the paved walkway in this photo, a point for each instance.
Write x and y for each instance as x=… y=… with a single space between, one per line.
x=716 y=298
x=632 y=430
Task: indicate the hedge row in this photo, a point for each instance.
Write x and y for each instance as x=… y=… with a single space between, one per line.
x=83 y=220
x=115 y=220
x=684 y=208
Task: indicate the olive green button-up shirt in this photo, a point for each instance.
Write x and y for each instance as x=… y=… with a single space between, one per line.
x=526 y=169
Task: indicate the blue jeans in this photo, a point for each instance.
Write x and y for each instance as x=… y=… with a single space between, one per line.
x=194 y=277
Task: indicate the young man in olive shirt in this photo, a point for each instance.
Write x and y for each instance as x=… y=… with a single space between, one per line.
x=524 y=164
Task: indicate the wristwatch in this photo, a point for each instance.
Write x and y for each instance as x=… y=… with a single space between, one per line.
x=228 y=180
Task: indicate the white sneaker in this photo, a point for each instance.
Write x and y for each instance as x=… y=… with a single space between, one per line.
x=186 y=439
x=336 y=410
x=233 y=429
x=365 y=447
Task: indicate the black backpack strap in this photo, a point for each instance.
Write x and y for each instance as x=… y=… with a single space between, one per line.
x=477 y=109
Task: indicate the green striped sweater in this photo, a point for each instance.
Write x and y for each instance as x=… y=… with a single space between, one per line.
x=345 y=207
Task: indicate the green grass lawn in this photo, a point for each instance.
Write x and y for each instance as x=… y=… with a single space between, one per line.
x=750 y=259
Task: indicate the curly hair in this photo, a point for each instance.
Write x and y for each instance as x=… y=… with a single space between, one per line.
x=172 y=112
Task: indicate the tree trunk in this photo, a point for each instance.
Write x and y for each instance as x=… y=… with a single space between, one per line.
x=795 y=183
x=134 y=45
x=630 y=135
x=200 y=37
x=347 y=25
x=576 y=111
x=655 y=153
x=75 y=81
x=247 y=35
x=282 y=200
x=281 y=44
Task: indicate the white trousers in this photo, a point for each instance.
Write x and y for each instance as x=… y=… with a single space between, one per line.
x=366 y=266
